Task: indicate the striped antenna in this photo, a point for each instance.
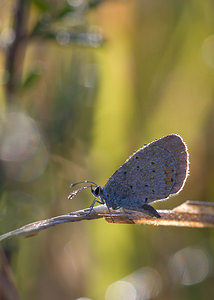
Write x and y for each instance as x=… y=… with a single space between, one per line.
x=74 y=193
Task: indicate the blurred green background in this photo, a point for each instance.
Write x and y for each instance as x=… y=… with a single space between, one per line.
x=83 y=84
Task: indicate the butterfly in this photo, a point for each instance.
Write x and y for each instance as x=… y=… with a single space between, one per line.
x=153 y=173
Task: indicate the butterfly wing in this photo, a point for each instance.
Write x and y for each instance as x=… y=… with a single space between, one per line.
x=153 y=173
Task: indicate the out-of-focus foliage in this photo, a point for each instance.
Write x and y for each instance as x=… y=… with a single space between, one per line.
x=74 y=107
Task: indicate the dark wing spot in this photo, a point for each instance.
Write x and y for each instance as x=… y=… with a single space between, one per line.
x=146 y=199
x=136 y=157
x=153 y=171
x=131 y=186
x=138 y=167
x=146 y=185
x=169 y=180
x=124 y=173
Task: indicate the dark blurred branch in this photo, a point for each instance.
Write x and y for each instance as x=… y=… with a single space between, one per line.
x=14 y=57
x=8 y=290
x=189 y=214
x=43 y=29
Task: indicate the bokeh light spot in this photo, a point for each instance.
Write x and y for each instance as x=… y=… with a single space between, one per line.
x=122 y=290
x=76 y=3
x=83 y=298
x=7 y=37
x=21 y=149
x=147 y=282
x=189 y=266
x=20 y=138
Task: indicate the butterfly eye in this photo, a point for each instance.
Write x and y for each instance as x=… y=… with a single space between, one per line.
x=97 y=191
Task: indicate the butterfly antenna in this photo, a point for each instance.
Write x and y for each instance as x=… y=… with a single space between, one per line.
x=85 y=181
x=82 y=188
x=77 y=191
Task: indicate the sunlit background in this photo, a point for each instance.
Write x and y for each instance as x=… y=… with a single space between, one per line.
x=83 y=84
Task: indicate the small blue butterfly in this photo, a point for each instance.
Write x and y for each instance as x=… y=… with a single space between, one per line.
x=153 y=173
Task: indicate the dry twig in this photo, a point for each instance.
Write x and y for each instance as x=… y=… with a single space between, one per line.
x=189 y=214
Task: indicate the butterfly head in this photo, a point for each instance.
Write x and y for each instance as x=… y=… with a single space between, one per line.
x=97 y=192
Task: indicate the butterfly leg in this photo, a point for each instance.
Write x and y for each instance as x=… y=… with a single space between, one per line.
x=144 y=208
x=110 y=214
x=127 y=214
x=101 y=201
x=93 y=203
